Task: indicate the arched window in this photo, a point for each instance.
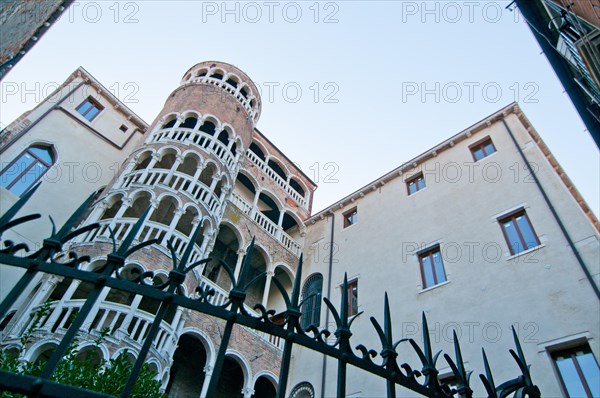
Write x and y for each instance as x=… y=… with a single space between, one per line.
x=311 y=309
x=303 y=390
x=26 y=169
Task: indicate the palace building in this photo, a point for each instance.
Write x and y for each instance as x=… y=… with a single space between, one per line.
x=482 y=232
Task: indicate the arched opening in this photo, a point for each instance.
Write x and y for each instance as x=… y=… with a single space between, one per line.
x=201 y=73
x=231 y=381
x=207 y=174
x=258 y=152
x=143 y=161
x=114 y=205
x=91 y=355
x=139 y=206
x=208 y=127
x=232 y=81
x=258 y=265
x=7 y=320
x=12 y=352
x=268 y=207
x=225 y=249
x=275 y=300
x=311 y=309
x=296 y=186
x=224 y=137
x=217 y=74
x=151 y=305
x=219 y=186
x=170 y=123
x=189 y=123
x=264 y=388
x=245 y=188
x=244 y=92
x=166 y=161
x=277 y=169
x=44 y=353
x=289 y=223
x=188 y=166
x=187 y=376
x=165 y=211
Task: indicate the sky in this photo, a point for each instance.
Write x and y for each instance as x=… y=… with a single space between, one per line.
x=350 y=89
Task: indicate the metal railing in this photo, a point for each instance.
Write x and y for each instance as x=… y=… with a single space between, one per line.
x=383 y=362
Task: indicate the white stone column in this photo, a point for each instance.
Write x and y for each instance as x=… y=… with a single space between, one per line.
x=238 y=265
x=267 y=289
x=94 y=311
x=22 y=320
x=178 y=160
x=155 y=159
x=67 y=296
x=208 y=374
x=248 y=392
x=132 y=310
x=176 y=217
x=254 y=205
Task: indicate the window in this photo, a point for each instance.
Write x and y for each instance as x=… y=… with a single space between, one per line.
x=415 y=183
x=353 y=297
x=482 y=149
x=350 y=217
x=123 y=128
x=26 y=169
x=578 y=370
x=432 y=268
x=518 y=232
x=90 y=108
x=311 y=309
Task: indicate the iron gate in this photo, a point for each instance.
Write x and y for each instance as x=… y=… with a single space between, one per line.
x=336 y=344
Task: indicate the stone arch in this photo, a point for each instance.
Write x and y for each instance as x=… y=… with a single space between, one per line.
x=143 y=158
x=264 y=385
x=259 y=150
x=132 y=353
x=278 y=167
x=233 y=80
x=217 y=73
x=242 y=362
x=200 y=72
x=41 y=350
x=194 y=351
x=168 y=120
x=113 y=201
x=96 y=353
x=298 y=185
x=290 y=220
x=303 y=390
x=225 y=249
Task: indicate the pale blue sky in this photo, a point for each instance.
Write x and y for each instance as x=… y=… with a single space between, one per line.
x=355 y=116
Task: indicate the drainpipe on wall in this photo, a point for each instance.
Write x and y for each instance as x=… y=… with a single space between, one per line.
x=564 y=231
x=331 y=242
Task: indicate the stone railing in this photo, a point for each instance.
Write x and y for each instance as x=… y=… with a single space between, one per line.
x=150 y=230
x=269 y=226
x=277 y=178
x=203 y=140
x=177 y=182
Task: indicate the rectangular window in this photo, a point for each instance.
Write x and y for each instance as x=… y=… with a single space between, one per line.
x=482 y=149
x=578 y=370
x=518 y=232
x=350 y=217
x=89 y=109
x=353 y=297
x=123 y=128
x=432 y=268
x=415 y=183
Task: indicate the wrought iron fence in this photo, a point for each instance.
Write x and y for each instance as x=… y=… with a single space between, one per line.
x=336 y=344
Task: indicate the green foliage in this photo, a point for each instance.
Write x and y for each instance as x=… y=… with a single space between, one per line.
x=90 y=373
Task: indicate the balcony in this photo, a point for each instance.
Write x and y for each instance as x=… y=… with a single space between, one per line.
x=150 y=230
x=267 y=225
x=207 y=142
x=299 y=199
x=177 y=182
